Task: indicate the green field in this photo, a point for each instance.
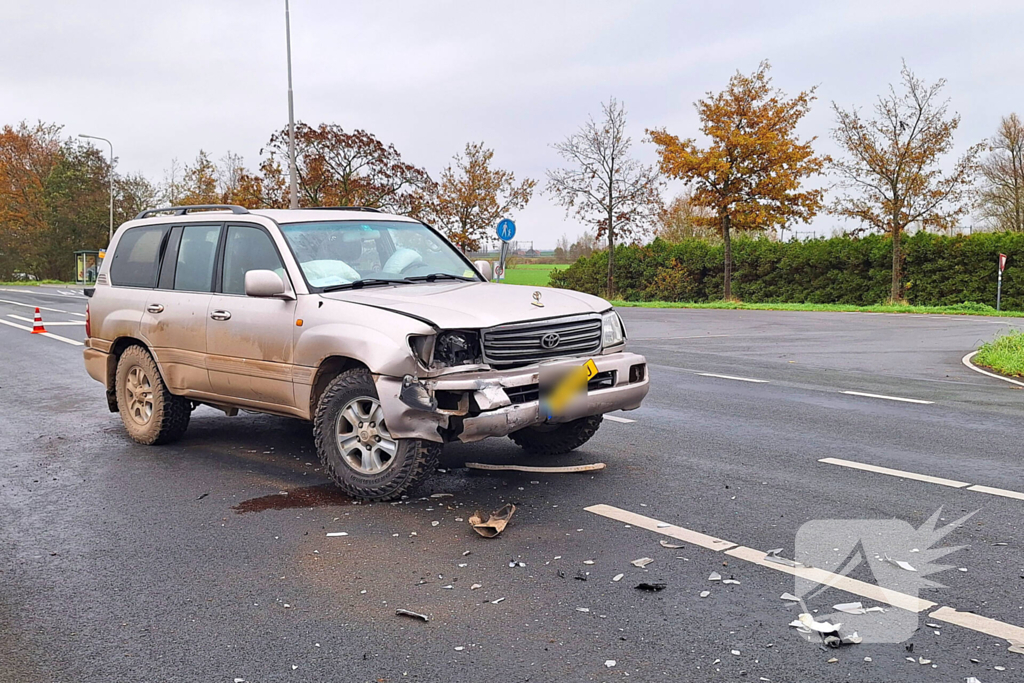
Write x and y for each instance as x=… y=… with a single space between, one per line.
x=534 y=274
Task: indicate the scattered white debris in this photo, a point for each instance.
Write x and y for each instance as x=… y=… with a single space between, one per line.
x=833 y=660
x=733 y=582
x=463 y=564
x=999 y=668
x=617 y=577
x=901 y=564
x=867 y=659
x=408 y=613
x=971 y=679
x=850 y=608
x=705 y=594
x=495 y=602
x=807 y=621
x=1016 y=646
x=663 y=525
x=337 y=533
x=790 y=597
x=642 y=562
x=441 y=495
x=715 y=576
x=434 y=523
x=736 y=653
x=922 y=660
x=609 y=663
x=588 y=562
x=476 y=586
x=459 y=648
x=673 y=546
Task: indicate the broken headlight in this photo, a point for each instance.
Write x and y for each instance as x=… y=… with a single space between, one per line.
x=613 y=333
x=457 y=348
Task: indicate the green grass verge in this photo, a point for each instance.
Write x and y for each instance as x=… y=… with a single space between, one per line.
x=1003 y=354
x=33 y=283
x=968 y=308
x=534 y=274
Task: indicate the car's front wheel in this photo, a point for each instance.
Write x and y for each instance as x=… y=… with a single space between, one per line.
x=356 y=447
x=556 y=439
x=150 y=412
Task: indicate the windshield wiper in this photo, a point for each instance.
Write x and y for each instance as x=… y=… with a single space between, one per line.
x=368 y=282
x=443 y=276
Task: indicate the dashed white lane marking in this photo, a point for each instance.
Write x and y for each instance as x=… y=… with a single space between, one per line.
x=31 y=320
x=924 y=477
x=888 y=398
x=871 y=591
x=895 y=473
x=996 y=492
x=966 y=360
x=44 y=334
x=738 y=379
x=616 y=418
x=41 y=308
x=695 y=336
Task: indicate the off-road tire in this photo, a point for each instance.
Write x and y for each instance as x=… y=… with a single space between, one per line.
x=557 y=439
x=171 y=413
x=414 y=459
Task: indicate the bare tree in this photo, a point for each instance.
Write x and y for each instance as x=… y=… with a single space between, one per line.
x=172 y=187
x=684 y=219
x=892 y=172
x=1001 y=199
x=603 y=185
x=230 y=173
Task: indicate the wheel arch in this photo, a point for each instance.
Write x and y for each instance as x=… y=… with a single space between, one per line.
x=329 y=368
x=113 y=356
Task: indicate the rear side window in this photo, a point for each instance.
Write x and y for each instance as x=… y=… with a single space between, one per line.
x=193 y=271
x=246 y=249
x=137 y=258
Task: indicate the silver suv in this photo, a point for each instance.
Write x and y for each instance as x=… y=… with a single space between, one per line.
x=371 y=326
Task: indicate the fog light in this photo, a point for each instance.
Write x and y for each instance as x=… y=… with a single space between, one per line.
x=637 y=373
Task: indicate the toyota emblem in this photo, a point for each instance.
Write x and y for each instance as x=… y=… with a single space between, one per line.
x=549 y=340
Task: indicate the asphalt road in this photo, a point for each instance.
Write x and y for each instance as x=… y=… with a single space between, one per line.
x=186 y=563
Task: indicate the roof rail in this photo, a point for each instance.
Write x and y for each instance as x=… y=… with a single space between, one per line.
x=182 y=210
x=343 y=208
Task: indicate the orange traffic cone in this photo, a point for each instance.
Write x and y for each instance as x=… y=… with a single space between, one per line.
x=37 y=324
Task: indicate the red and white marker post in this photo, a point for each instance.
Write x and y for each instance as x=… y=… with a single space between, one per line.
x=999 y=286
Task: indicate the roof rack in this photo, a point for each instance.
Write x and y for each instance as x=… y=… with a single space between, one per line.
x=183 y=210
x=343 y=208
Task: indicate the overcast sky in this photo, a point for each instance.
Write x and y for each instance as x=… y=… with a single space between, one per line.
x=164 y=79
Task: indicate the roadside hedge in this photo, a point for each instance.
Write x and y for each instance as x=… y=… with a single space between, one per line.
x=938 y=270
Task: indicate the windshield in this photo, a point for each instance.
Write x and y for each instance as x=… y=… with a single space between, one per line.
x=345 y=253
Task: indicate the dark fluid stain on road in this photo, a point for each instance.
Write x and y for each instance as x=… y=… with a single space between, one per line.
x=306 y=497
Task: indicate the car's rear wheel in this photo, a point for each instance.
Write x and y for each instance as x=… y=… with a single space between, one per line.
x=556 y=439
x=356 y=447
x=151 y=414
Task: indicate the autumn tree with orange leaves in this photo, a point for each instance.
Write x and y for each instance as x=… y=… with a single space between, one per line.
x=750 y=174
x=472 y=196
x=892 y=171
x=337 y=168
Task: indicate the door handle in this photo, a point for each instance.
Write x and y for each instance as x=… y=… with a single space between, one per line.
x=155 y=308
x=220 y=315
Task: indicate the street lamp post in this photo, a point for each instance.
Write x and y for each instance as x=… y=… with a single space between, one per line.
x=293 y=183
x=96 y=137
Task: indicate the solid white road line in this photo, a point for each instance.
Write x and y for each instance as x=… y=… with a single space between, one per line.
x=41 y=308
x=738 y=379
x=616 y=418
x=895 y=473
x=966 y=360
x=888 y=398
x=996 y=492
x=871 y=591
x=44 y=334
x=659 y=527
x=32 y=320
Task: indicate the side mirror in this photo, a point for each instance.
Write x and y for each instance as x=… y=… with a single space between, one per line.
x=264 y=283
x=485 y=269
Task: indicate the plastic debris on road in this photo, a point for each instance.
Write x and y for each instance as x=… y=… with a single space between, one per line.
x=617 y=578
x=705 y=594
x=651 y=587
x=408 y=613
x=773 y=556
x=609 y=663
x=715 y=576
x=642 y=562
x=495 y=522
x=673 y=546
x=531 y=468
x=1016 y=647
x=790 y=597
x=337 y=533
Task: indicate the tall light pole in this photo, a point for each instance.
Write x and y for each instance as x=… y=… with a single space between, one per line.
x=293 y=183
x=96 y=137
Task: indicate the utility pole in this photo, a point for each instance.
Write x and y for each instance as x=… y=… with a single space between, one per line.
x=96 y=137
x=293 y=192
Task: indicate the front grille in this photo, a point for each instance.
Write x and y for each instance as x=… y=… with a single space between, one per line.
x=510 y=346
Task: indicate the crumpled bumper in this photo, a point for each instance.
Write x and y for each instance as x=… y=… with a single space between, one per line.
x=470 y=406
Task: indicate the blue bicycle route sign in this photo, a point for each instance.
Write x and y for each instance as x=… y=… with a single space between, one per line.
x=506 y=229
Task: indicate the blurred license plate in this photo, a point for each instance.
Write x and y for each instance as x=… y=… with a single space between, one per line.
x=561 y=393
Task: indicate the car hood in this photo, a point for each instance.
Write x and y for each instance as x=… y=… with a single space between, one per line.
x=470 y=305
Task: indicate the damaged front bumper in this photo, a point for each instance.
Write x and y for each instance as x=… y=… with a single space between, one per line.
x=471 y=406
